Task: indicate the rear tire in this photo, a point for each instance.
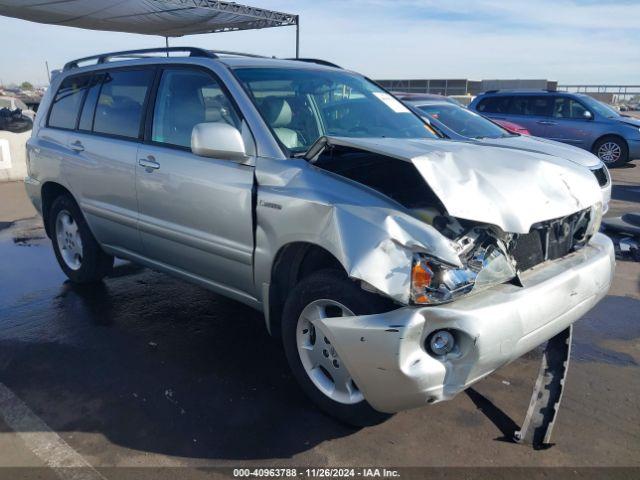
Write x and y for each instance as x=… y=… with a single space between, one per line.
x=612 y=150
x=77 y=251
x=331 y=292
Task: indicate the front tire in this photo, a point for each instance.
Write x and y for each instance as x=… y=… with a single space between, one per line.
x=77 y=251
x=613 y=151
x=313 y=360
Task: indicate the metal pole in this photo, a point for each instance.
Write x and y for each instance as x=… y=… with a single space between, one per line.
x=166 y=44
x=46 y=64
x=297 y=36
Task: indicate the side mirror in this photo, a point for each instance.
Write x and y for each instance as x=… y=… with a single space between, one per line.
x=218 y=140
x=587 y=115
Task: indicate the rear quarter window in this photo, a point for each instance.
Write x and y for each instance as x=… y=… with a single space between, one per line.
x=494 y=105
x=66 y=104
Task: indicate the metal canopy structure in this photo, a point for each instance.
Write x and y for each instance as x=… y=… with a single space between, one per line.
x=166 y=18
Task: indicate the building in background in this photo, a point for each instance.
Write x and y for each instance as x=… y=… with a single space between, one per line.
x=456 y=86
x=464 y=90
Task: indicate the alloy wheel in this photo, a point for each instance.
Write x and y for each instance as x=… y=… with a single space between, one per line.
x=69 y=240
x=609 y=152
x=319 y=358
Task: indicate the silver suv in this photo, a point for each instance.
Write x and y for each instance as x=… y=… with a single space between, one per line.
x=398 y=268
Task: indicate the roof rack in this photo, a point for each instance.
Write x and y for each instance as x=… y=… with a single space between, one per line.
x=238 y=54
x=520 y=90
x=317 y=61
x=105 y=57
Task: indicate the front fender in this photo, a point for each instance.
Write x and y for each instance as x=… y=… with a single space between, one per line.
x=372 y=238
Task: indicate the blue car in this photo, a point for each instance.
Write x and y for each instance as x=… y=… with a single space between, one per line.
x=571 y=118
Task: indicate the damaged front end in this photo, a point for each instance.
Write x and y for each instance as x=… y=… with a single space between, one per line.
x=430 y=225
x=490 y=256
x=492 y=239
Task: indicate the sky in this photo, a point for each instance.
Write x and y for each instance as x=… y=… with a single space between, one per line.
x=571 y=41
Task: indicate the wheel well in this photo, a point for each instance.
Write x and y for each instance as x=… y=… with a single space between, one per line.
x=608 y=135
x=50 y=191
x=294 y=262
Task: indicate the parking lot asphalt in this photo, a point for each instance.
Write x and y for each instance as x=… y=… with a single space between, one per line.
x=146 y=370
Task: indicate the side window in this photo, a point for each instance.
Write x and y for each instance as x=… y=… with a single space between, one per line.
x=577 y=109
x=66 y=104
x=89 y=106
x=185 y=98
x=519 y=106
x=121 y=102
x=494 y=105
x=565 y=107
x=530 y=105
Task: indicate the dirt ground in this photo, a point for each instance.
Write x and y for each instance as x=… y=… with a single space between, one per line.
x=148 y=371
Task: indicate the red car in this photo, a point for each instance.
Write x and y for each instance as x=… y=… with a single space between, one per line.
x=414 y=97
x=512 y=127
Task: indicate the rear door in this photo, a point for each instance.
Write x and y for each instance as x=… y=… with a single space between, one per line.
x=532 y=112
x=195 y=212
x=101 y=166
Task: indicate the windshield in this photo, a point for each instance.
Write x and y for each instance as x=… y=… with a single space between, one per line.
x=463 y=121
x=599 y=107
x=302 y=105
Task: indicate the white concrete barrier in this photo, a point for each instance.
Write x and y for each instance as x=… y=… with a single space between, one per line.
x=13 y=155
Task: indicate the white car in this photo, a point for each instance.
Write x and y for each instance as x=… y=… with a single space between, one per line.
x=459 y=123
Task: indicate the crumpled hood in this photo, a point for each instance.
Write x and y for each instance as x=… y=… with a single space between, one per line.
x=509 y=188
x=550 y=147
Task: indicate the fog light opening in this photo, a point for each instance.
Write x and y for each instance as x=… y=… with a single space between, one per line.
x=441 y=342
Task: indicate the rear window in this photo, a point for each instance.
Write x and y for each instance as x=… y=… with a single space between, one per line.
x=66 y=104
x=494 y=104
x=121 y=102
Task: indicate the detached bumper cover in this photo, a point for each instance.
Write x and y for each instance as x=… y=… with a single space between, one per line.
x=385 y=353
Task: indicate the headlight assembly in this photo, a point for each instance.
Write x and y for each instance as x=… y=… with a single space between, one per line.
x=433 y=282
x=595 y=219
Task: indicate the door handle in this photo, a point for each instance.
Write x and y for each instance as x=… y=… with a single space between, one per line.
x=77 y=146
x=546 y=122
x=149 y=163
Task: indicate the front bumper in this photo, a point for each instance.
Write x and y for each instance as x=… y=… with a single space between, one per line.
x=606 y=197
x=634 y=149
x=385 y=353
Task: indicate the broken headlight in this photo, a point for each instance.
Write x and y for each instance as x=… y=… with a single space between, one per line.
x=595 y=219
x=434 y=282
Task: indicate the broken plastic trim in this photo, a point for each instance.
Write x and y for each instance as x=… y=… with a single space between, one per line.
x=547 y=392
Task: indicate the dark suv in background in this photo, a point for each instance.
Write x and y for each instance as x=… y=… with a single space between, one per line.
x=575 y=119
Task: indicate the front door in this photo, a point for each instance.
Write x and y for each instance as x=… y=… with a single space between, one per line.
x=569 y=123
x=195 y=213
